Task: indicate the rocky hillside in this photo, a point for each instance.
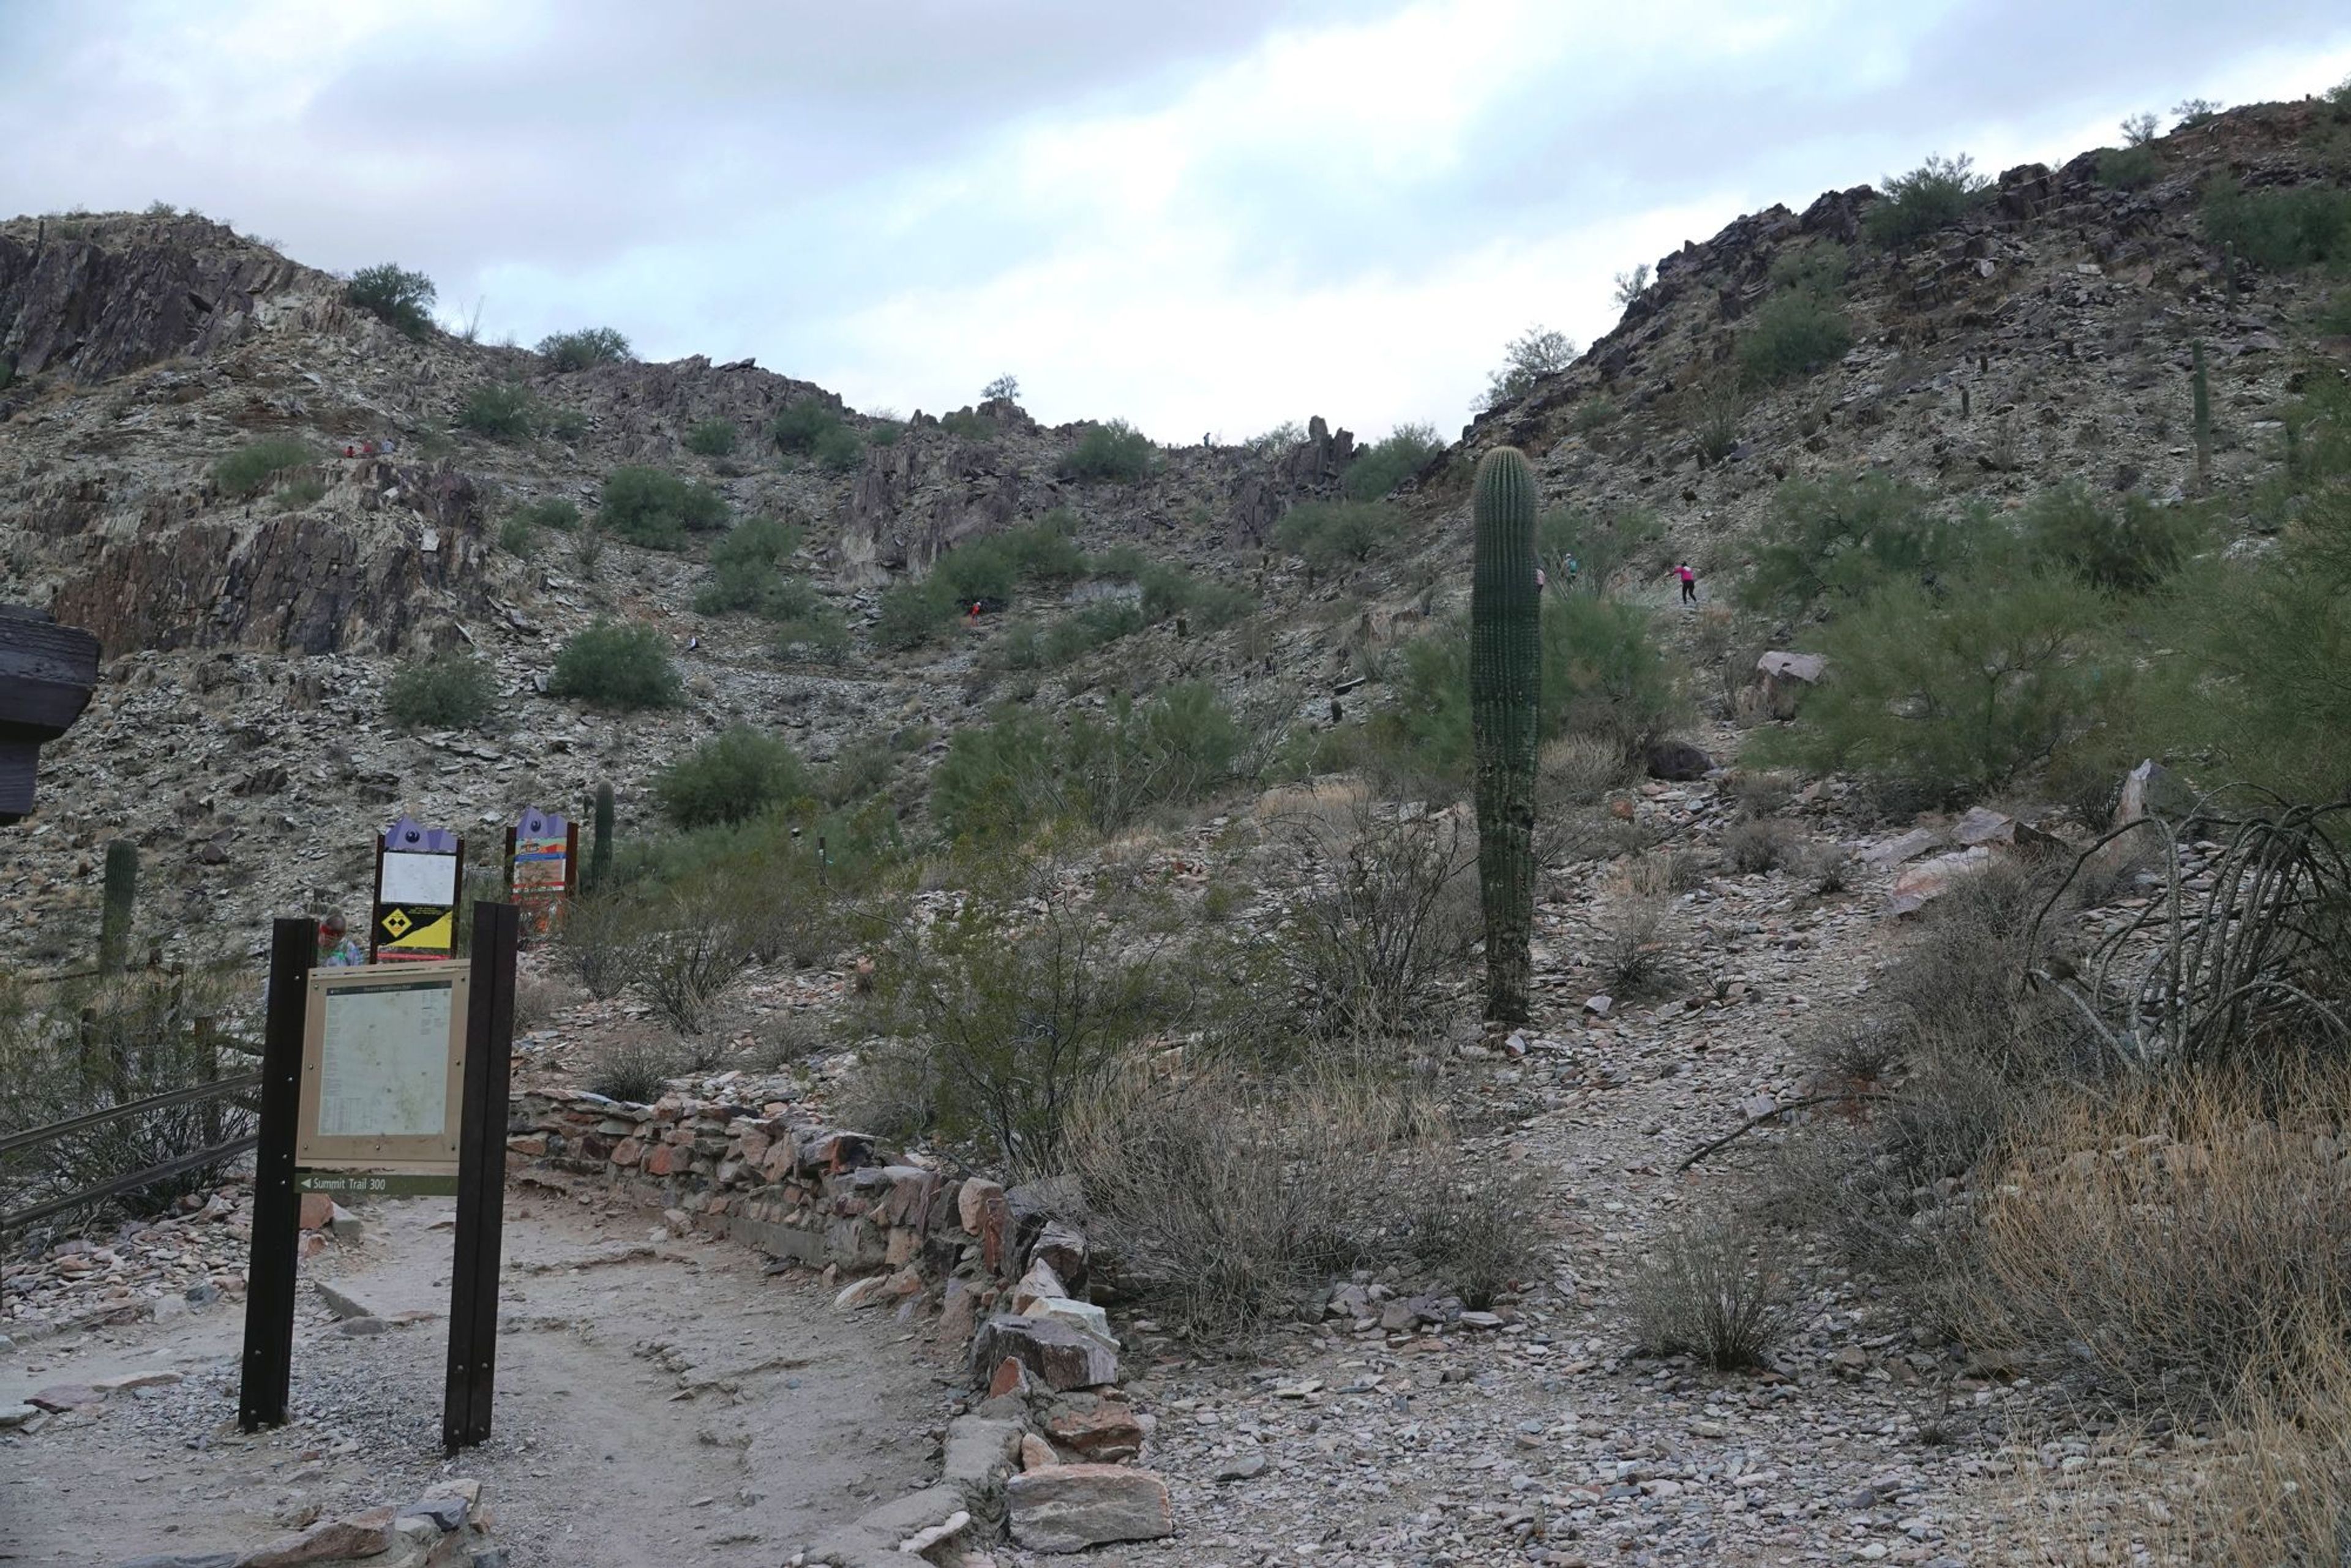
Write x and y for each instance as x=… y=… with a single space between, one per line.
x=239 y=735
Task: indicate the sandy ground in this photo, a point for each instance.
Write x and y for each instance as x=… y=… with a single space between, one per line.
x=658 y=1400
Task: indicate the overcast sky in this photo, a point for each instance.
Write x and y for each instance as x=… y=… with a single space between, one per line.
x=1211 y=214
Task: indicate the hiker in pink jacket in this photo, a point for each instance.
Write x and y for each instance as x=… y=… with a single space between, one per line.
x=1690 y=583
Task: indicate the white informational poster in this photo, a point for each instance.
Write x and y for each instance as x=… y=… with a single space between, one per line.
x=410 y=878
x=383 y=1065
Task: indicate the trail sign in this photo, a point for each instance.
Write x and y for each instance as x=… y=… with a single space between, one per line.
x=418 y=871
x=542 y=870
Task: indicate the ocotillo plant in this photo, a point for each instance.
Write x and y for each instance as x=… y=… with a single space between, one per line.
x=121 y=898
x=599 y=852
x=1505 y=696
x=2203 y=421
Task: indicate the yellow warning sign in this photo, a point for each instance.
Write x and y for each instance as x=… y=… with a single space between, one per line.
x=415 y=931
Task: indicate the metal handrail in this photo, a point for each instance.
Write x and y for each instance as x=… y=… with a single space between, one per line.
x=10 y=1143
x=218 y=1153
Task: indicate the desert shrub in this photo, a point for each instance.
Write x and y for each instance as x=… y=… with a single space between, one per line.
x=1633 y=952
x=1046 y=551
x=1024 y=997
x=838 y=450
x=2179 y=1228
x=1938 y=191
x=1954 y=696
x=2129 y=549
x=635 y=1071
x=822 y=634
x=797 y=426
x=711 y=437
x=654 y=508
x=585 y=349
x=1796 y=333
x=1115 y=451
x=884 y=432
x=1761 y=845
x=2279 y=227
x=597 y=944
x=2128 y=168
x=395 y=296
x=566 y=424
x=1711 y=1289
x=745 y=573
x=691 y=954
x=1171 y=590
x=1389 y=913
x=968 y=425
x=1229 y=1196
x=1578 y=550
x=1603 y=673
x=616 y=666
x=296 y=494
x=736 y=775
x=910 y=614
x=2332 y=320
x=549 y=512
x=1471 y=1223
x=1579 y=771
x=503 y=411
x=1533 y=354
x=1818 y=269
x=1841 y=537
x=1385 y=463
x=453 y=690
x=1097 y=625
x=249 y=470
x=1336 y=534
x=1001 y=778
x=862 y=768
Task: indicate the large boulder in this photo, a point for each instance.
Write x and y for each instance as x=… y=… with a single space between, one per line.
x=1057 y=1354
x=1676 y=761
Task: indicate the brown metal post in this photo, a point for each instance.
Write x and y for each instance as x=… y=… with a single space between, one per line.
x=481 y=1179
x=268 y=1364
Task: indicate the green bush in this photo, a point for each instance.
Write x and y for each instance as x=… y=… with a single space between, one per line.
x=249 y=470
x=581 y=350
x=1042 y=553
x=910 y=614
x=746 y=574
x=394 y=297
x=821 y=633
x=296 y=494
x=1937 y=192
x=1954 y=694
x=1599 y=547
x=2332 y=320
x=969 y=426
x=1604 y=674
x=503 y=411
x=518 y=535
x=1336 y=534
x=711 y=437
x=450 y=691
x=2129 y=549
x=2300 y=226
x=838 y=449
x=654 y=508
x=1384 y=465
x=1536 y=352
x=1000 y=779
x=617 y=666
x=1841 y=537
x=567 y=424
x=1097 y=625
x=1115 y=451
x=884 y=432
x=1796 y=333
x=1818 y=269
x=555 y=512
x=1171 y=590
x=731 y=778
x=797 y=426
x=2128 y=168
x=1046 y=551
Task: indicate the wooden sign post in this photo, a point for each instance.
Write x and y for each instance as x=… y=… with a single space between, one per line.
x=418 y=873
x=542 y=870
x=384 y=1079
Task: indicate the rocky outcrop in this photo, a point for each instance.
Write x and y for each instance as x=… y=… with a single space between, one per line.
x=93 y=298
x=392 y=543
x=1311 y=468
x=919 y=497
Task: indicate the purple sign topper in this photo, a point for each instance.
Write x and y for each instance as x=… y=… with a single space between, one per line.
x=535 y=824
x=410 y=836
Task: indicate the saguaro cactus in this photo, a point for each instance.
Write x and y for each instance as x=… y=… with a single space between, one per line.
x=122 y=897
x=1505 y=697
x=600 y=853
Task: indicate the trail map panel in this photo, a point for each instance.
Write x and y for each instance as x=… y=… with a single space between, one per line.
x=382 y=1068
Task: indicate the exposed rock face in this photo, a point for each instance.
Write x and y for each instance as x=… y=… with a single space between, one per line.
x=97 y=306
x=1312 y=467
x=915 y=500
x=298 y=582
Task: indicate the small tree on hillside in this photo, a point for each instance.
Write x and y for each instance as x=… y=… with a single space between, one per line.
x=1533 y=354
x=394 y=296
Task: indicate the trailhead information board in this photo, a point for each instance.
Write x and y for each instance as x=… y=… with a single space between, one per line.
x=384 y=1061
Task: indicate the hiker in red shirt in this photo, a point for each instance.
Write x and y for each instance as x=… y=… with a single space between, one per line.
x=1690 y=583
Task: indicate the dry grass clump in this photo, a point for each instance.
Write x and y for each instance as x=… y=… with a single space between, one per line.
x=599 y=943
x=1226 y=1195
x=636 y=1069
x=1633 y=955
x=1580 y=769
x=692 y=956
x=2167 y=1231
x=1711 y=1289
x=538 y=996
x=1762 y=845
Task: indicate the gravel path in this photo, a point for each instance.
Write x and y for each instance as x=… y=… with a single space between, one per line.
x=658 y=1400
